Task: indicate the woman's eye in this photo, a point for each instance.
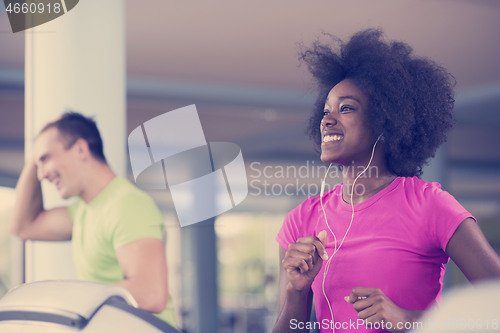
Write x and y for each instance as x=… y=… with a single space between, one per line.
x=326 y=113
x=346 y=108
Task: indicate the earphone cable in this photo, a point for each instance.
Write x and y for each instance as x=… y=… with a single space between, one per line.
x=327 y=265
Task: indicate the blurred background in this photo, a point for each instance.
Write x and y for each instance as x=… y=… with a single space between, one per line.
x=238 y=62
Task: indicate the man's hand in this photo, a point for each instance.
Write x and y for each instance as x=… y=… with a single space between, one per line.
x=29 y=220
x=303 y=261
x=374 y=306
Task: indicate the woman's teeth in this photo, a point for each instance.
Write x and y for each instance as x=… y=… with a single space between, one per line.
x=335 y=137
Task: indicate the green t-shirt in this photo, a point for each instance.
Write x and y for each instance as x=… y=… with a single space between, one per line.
x=120 y=214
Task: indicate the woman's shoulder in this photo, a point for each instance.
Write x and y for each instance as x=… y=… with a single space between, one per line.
x=421 y=193
x=418 y=187
x=313 y=203
x=299 y=222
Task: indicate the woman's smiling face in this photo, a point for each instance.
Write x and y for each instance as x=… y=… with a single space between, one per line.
x=345 y=134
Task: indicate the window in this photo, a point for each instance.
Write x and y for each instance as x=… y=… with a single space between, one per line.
x=7 y=200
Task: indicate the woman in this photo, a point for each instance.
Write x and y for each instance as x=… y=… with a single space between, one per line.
x=372 y=250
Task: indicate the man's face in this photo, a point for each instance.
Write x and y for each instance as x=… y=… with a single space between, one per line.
x=57 y=162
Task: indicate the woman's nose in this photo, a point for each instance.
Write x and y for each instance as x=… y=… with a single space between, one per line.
x=328 y=120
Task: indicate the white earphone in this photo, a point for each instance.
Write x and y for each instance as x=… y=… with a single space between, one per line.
x=336 y=249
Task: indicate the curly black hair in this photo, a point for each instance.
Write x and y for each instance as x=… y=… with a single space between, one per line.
x=410 y=98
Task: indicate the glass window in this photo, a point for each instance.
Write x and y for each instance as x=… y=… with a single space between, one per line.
x=7 y=200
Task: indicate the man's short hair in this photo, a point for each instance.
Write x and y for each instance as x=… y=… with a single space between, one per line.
x=73 y=126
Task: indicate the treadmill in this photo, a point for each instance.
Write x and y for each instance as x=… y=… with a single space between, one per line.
x=75 y=306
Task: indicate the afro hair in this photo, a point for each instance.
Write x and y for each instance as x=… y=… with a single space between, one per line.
x=410 y=98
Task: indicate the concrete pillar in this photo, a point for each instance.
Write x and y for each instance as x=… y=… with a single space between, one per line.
x=75 y=62
x=199 y=271
x=199 y=268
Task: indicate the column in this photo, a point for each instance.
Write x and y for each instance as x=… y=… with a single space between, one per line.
x=75 y=62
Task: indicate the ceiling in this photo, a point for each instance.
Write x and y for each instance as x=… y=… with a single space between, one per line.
x=255 y=42
x=237 y=60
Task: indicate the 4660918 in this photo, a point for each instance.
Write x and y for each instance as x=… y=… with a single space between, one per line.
x=34 y=8
x=472 y=324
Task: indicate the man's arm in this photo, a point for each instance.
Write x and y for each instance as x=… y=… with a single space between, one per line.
x=29 y=219
x=144 y=265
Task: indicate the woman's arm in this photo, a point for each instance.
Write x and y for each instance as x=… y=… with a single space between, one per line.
x=472 y=253
x=373 y=306
x=468 y=248
x=299 y=266
x=293 y=305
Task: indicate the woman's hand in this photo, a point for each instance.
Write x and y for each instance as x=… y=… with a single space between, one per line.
x=374 y=306
x=303 y=261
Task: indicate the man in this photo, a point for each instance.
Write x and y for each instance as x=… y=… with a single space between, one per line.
x=116 y=229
